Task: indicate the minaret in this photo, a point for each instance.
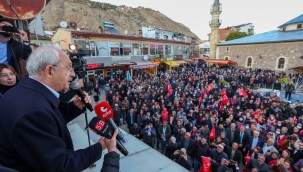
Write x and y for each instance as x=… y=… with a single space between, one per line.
x=215 y=23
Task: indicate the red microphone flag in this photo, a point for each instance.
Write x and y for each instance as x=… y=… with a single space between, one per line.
x=104 y=111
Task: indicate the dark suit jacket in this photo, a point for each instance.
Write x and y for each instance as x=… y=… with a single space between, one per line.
x=190 y=147
x=259 y=143
x=245 y=139
x=228 y=135
x=237 y=155
x=167 y=132
x=117 y=114
x=34 y=136
x=128 y=119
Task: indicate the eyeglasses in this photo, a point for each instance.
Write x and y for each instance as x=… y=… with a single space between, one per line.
x=70 y=69
x=5 y=75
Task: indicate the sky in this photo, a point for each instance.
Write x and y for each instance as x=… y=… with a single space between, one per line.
x=265 y=15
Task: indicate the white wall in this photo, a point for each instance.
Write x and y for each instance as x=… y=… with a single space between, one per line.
x=36 y=25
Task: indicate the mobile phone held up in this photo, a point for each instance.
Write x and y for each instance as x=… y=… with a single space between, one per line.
x=10 y=29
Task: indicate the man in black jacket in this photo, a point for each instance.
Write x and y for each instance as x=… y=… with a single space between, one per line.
x=13 y=49
x=233 y=154
x=201 y=149
x=181 y=158
x=277 y=88
x=289 y=88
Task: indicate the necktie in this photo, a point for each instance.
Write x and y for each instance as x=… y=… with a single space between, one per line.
x=131 y=119
x=241 y=137
x=232 y=136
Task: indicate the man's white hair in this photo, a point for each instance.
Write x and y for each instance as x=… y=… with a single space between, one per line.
x=173 y=139
x=40 y=58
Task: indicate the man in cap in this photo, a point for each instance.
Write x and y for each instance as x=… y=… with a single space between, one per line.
x=10 y=49
x=216 y=155
x=135 y=130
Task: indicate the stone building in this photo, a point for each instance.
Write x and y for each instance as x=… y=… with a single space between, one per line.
x=215 y=23
x=277 y=50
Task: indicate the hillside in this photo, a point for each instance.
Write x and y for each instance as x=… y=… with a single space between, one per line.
x=91 y=14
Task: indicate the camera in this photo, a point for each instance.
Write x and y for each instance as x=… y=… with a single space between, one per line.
x=232 y=162
x=291 y=138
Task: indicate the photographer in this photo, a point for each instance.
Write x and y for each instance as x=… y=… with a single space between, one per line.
x=12 y=49
x=225 y=163
x=181 y=158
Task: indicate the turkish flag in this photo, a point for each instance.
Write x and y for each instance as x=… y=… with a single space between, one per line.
x=169 y=88
x=209 y=88
x=212 y=134
x=221 y=106
x=223 y=92
x=224 y=100
x=256 y=114
x=200 y=100
x=295 y=119
x=247 y=159
x=242 y=92
x=206 y=165
x=280 y=142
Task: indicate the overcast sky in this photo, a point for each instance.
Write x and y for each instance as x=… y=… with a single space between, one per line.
x=265 y=15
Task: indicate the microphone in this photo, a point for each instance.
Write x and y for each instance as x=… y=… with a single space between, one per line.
x=102 y=128
x=105 y=112
x=76 y=87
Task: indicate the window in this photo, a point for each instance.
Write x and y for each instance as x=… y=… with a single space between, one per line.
x=299 y=26
x=281 y=63
x=114 y=48
x=226 y=58
x=144 y=49
x=167 y=49
x=136 y=49
x=284 y=28
x=177 y=49
x=160 y=49
x=126 y=48
x=101 y=48
x=227 y=49
x=81 y=44
x=152 y=49
x=249 y=62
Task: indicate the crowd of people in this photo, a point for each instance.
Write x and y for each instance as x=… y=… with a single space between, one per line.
x=202 y=110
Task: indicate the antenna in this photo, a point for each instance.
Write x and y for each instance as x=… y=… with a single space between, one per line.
x=63 y=24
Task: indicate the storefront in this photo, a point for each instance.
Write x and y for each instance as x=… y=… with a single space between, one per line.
x=171 y=64
x=143 y=67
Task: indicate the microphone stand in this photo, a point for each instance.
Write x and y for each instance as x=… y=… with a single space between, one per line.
x=86 y=121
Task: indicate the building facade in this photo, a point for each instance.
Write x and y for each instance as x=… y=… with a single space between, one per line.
x=214 y=24
x=278 y=50
x=117 y=53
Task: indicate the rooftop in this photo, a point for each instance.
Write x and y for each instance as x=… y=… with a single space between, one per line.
x=34 y=36
x=298 y=19
x=267 y=37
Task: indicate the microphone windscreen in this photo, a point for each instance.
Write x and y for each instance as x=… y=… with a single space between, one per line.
x=99 y=126
x=74 y=85
x=104 y=111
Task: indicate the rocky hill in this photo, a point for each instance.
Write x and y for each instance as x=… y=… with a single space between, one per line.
x=90 y=15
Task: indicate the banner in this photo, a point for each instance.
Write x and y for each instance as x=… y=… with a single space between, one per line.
x=212 y=134
x=206 y=165
x=242 y=92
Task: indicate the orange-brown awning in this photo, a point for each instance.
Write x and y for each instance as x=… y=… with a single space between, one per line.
x=188 y=60
x=156 y=62
x=200 y=58
x=298 y=68
x=221 y=62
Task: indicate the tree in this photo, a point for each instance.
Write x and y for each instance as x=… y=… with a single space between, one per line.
x=236 y=35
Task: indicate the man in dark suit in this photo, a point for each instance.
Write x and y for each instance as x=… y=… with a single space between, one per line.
x=117 y=115
x=233 y=154
x=242 y=141
x=164 y=133
x=232 y=133
x=34 y=135
x=254 y=141
x=187 y=143
x=130 y=118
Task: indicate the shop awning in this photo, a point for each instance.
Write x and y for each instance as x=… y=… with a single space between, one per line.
x=143 y=65
x=123 y=62
x=171 y=63
x=180 y=61
x=188 y=60
x=221 y=62
x=200 y=58
x=298 y=68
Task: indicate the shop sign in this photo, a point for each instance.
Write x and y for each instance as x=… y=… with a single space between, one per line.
x=169 y=58
x=117 y=58
x=114 y=44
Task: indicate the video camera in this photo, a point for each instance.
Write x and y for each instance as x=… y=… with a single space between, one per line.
x=79 y=63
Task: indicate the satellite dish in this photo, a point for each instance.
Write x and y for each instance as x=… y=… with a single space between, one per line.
x=63 y=24
x=125 y=32
x=73 y=25
x=145 y=57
